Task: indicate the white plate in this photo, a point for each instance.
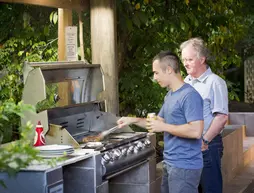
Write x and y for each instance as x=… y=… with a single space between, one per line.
x=52 y=151
x=56 y=153
x=51 y=156
x=53 y=147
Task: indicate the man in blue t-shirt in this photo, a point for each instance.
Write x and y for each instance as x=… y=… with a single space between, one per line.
x=181 y=120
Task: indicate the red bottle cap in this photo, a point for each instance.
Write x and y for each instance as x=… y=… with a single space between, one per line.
x=39 y=124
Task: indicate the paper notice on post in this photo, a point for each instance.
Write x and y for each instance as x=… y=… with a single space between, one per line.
x=71 y=43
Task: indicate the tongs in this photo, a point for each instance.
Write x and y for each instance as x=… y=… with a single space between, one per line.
x=99 y=137
x=107 y=132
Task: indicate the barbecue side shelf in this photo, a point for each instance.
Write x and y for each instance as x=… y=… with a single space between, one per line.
x=42 y=178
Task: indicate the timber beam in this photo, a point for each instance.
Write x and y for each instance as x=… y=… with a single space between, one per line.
x=79 y=5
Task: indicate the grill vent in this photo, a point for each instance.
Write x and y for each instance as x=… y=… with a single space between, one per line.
x=80 y=123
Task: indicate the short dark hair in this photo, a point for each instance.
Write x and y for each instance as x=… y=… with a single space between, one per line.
x=168 y=58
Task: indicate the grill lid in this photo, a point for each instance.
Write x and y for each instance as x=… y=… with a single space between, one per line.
x=56 y=85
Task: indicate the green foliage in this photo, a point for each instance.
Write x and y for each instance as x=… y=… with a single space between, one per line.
x=22 y=37
x=8 y=112
x=49 y=102
x=146 y=27
x=18 y=154
x=29 y=40
x=233 y=90
x=27 y=33
x=53 y=17
x=246 y=44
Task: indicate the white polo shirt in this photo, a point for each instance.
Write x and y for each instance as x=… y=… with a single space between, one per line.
x=213 y=90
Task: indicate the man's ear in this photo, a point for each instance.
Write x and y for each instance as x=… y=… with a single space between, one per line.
x=203 y=59
x=169 y=70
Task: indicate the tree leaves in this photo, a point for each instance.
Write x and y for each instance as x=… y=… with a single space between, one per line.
x=159 y=26
x=29 y=43
x=53 y=18
x=137 y=6
x=18 y=154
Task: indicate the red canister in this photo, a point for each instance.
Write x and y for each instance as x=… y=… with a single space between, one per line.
x=39 y=138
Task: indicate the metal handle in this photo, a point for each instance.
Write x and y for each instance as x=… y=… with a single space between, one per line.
x=107 y=132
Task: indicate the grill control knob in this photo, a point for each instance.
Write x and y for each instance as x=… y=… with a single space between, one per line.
x=124 y=151
x=130 y=150
x=106 y=157
x=140 y=145
x=147 y=143
x=136 y=149
x=116 y=154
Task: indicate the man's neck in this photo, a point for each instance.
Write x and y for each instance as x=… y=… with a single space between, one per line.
x=201 y=71
x=177 y=82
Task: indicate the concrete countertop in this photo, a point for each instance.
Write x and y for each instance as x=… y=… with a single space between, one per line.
x=232 y=126
x=229 y=129
x=78 y=155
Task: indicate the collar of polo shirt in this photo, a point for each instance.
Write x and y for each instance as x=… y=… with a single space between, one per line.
x=204 y=76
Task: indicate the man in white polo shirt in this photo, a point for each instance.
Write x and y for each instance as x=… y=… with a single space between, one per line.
x=213 y=90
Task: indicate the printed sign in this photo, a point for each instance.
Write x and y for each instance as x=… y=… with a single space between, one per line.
x=71 y=43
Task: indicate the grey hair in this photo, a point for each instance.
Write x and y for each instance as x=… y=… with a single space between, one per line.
x=168 y=58
x=199 y=45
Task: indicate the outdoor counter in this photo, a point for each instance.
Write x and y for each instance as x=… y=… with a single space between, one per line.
x=78 y=155
x=43 y=178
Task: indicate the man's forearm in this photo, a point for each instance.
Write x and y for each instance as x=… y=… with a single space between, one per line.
x=191 y=130
x=141 y=122
x=216 y=126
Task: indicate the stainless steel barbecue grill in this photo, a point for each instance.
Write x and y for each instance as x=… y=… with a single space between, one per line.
x=70 y=105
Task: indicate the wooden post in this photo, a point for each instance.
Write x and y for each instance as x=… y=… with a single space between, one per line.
x=64 y=19
x=103 y=42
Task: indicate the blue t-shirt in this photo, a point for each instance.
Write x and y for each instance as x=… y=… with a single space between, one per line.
x=180 y=107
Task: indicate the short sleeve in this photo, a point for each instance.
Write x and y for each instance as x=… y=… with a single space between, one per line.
x=193 y=107
x=220 y=98
x=161 y=113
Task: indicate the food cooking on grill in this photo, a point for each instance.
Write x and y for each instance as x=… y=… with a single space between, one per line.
x=99 y=137
x=93 y=138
